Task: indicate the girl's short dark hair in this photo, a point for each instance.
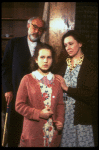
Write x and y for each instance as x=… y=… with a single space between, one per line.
x=76 y=35
x=33 y=64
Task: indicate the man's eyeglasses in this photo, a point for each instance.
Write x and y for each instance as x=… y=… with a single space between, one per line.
x=40 y=29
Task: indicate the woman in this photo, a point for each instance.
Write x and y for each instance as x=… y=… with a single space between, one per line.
x=39 y=99
x=79 y=85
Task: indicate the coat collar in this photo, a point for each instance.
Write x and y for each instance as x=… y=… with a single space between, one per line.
x=40 y=76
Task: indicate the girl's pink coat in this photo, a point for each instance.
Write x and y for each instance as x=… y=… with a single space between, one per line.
x=29 y=103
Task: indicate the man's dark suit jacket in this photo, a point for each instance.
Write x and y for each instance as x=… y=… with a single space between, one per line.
x=15 y=63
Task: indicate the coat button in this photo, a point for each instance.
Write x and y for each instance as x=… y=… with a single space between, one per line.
x=53 y=96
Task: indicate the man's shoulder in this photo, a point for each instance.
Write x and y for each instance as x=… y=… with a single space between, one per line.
x=19 y=38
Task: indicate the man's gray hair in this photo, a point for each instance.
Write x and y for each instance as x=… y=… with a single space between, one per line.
x=33 y=18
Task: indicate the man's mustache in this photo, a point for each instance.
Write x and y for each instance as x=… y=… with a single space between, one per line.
x=36 y=34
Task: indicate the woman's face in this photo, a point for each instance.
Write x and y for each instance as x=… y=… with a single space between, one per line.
x=72 y=46
x=44 y=59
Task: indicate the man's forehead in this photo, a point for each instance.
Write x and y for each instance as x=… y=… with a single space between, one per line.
x=38 y=22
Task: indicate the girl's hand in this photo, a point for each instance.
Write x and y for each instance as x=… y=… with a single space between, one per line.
x=62 y=81
x=46 y=113
x=59 y=125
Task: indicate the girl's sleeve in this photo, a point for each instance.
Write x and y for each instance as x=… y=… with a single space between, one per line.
x=60 y=106
x=22 y=105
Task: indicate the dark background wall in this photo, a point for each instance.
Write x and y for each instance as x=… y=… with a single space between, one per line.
x=86 y=22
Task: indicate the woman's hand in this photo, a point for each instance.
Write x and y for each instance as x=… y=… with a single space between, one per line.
x=46 y=113
x=63 y=84
x=59 y=125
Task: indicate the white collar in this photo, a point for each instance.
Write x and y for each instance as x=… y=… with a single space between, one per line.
x=40 y=76
x=31 y=43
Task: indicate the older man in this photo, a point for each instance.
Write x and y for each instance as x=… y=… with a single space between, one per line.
x=15 y=65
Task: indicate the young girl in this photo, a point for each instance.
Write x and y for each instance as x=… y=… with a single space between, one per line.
x=40 y=100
